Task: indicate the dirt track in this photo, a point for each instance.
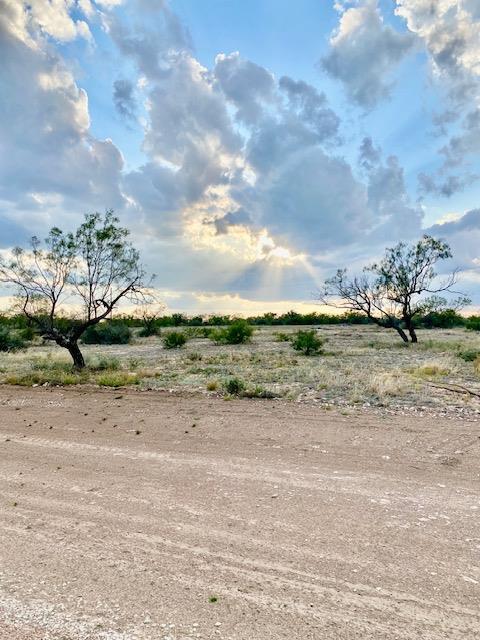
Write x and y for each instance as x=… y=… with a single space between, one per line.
x=304 y=524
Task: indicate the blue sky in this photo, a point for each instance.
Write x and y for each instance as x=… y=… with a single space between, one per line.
x=252 y=147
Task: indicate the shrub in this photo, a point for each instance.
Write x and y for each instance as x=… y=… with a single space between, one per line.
x=174 y=340
x=308 y=342
x=105 y=364
x=280 y=336
x=149 y=330
x=430 y=371
x=54 y=377
x=473 y=323
x=9 y=340
x=212 y=385
x=446 y=319
x=194 y=356
x=476 y=365
x=197 y=332
x=258 y=392
x=469 y=355
x=117 y=379
x=27 y=333
x=234 y=386
x=237 y=333
x=107 y=333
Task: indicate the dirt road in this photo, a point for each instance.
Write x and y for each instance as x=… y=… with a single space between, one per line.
x=142 y=516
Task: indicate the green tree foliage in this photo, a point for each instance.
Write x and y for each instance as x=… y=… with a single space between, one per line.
x=94 y=268
x=399 y=289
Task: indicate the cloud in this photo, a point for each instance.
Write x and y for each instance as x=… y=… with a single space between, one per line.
x=449 y=30
x=463 y=235
x=369 y=155
x=28 y=22
x=124 y=98
x=303 y=120
x=48 y=156
x=364 y=52
x=246 y=84
x=243 y=182
x=446 y=187
x=149 y=42
x=311 y=108
x=396 y=217
x=312 y=201
x=466 y=143
x=232 y=219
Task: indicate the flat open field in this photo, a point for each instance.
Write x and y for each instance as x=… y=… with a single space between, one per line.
x=129 y=515
x=361 y=365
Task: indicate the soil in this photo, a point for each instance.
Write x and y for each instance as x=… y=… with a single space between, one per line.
x=130 y=515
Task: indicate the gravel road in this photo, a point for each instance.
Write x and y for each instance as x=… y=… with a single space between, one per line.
x=140 y=516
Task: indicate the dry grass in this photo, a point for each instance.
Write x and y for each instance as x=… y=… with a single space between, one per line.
x=363 y=365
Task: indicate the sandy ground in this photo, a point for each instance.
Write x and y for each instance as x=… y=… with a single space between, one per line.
x=123 y=515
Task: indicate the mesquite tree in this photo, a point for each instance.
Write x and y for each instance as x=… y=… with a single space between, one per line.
x=394 y=291
x=89 y=271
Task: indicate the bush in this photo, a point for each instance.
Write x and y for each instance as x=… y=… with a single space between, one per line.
x=308 y=342
x=107 y=333
x=194 y=356
x=27 y=333
x=258 y=392
x=174 y=340
x=104 y=364
x=237 y=333
x=234 y=386
x=469 y=355
x=9 y=340
x=280 y=336
x=446 y=319
x=473 y=323
x=149 y=330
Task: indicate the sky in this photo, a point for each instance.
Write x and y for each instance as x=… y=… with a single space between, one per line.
x=252 y=147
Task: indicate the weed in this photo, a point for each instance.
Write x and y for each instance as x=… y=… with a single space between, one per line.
x=117 y=379
x=430 y=371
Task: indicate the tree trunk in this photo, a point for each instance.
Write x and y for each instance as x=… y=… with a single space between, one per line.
x=74 y=351
x=413 y=335
x=411 y=329
x=402 y=334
